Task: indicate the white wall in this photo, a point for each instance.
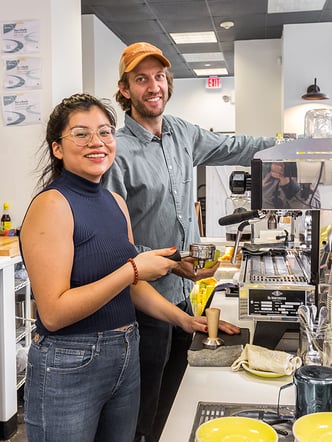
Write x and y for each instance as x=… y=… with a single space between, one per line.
x=257 y=65
x=65 y=57
x=101 y=54
x=192 y=101
x=306 y=55
x=60 y=51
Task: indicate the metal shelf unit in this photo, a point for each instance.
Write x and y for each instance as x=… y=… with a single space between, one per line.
x=9 y=336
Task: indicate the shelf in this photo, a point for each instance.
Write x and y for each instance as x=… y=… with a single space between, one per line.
x=21 y=332
x=20 y=284
x=20 y=380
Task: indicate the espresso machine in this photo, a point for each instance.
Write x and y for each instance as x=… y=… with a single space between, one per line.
x=279 y=276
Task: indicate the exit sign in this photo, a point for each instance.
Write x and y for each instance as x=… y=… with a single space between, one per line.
x=213 y=83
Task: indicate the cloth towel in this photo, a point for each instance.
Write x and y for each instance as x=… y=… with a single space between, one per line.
x=263 y=359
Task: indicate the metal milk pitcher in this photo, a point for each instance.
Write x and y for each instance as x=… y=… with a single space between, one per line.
x=313 y=385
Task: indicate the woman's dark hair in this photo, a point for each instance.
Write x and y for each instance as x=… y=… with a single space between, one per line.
x=125 y=103
x=57 y=122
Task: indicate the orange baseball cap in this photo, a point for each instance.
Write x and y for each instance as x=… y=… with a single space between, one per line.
x=136 y=52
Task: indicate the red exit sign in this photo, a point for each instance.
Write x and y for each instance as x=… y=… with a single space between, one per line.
x=213 y=83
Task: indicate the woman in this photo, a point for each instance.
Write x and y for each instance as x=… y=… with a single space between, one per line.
x=77 y=244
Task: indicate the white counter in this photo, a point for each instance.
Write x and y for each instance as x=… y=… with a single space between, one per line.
x=214 y=384
x=220 y=384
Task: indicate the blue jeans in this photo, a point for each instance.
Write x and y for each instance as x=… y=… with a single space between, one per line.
x=83 y=388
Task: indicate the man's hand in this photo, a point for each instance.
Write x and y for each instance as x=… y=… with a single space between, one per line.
x=185 y=269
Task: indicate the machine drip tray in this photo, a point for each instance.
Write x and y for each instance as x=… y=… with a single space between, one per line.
x=268 y=413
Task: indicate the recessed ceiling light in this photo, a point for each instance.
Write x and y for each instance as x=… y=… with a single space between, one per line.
x=203 y=56
x=194 y=37
x=279 y=6
x=226 y=24
x=208 y=72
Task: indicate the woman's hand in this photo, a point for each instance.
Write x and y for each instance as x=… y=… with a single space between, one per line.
x=199 y=323
x=153 y=264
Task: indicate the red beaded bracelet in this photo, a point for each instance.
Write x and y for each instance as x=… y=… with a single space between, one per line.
x=133 y=263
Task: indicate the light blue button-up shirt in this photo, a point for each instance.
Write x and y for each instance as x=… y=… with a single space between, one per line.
x=155 y=177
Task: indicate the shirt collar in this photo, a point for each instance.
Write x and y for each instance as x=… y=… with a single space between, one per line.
x=143 y=134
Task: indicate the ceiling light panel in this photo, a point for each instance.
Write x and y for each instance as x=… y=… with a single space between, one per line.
x=203 y=57
x=210 y=72
x=193 y=37
x=281 y=6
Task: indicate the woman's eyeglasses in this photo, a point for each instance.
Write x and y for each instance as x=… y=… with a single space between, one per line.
x=82 y=136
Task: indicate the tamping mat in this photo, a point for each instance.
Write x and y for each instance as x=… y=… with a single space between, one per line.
x=222 y=356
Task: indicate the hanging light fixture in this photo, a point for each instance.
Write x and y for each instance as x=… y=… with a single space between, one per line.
x=314 y=93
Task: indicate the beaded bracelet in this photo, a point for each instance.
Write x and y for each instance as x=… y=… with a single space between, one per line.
x=136 y=278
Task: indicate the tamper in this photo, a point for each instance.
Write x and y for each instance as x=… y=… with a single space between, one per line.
x=212 y=341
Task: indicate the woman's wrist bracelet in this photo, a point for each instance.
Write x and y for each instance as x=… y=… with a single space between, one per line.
x=136 y=277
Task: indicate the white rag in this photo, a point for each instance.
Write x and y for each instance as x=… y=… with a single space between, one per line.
x=263 y=359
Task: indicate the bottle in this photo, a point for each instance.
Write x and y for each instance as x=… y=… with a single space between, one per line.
x=272 y=220
x=6 y=223
x=279 y=138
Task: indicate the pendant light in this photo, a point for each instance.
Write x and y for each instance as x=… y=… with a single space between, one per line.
x=313 y=93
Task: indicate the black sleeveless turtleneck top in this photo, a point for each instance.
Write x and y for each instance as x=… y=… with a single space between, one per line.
x=101 y=246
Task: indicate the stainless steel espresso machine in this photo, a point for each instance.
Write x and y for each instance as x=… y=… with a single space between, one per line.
x=291 y=180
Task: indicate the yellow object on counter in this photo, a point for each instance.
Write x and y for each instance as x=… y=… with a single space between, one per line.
x=200 y=294
x=235 y=429
x=228 y=254
x=315 y=427
x=324 y=233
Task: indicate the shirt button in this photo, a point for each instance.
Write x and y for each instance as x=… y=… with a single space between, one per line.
x=180 y=216
x=170 y=167
x=175 y=192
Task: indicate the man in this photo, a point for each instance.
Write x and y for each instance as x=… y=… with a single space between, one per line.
x=153 y=171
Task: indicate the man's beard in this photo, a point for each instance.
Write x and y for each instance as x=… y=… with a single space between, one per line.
x=142 y=110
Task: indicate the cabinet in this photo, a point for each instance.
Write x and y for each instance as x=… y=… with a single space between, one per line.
x=9 y=337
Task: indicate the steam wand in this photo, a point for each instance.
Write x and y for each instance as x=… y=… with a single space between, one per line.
x=239 y=233
x=237 y=239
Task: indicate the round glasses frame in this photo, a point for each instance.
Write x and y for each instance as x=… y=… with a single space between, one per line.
x=82 y=136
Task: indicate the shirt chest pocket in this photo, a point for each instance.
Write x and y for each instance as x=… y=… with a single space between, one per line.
x=183 y=165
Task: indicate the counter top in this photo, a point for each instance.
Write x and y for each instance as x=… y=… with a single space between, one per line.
x=9 y=246
x=221 y=384
x=7 y=261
